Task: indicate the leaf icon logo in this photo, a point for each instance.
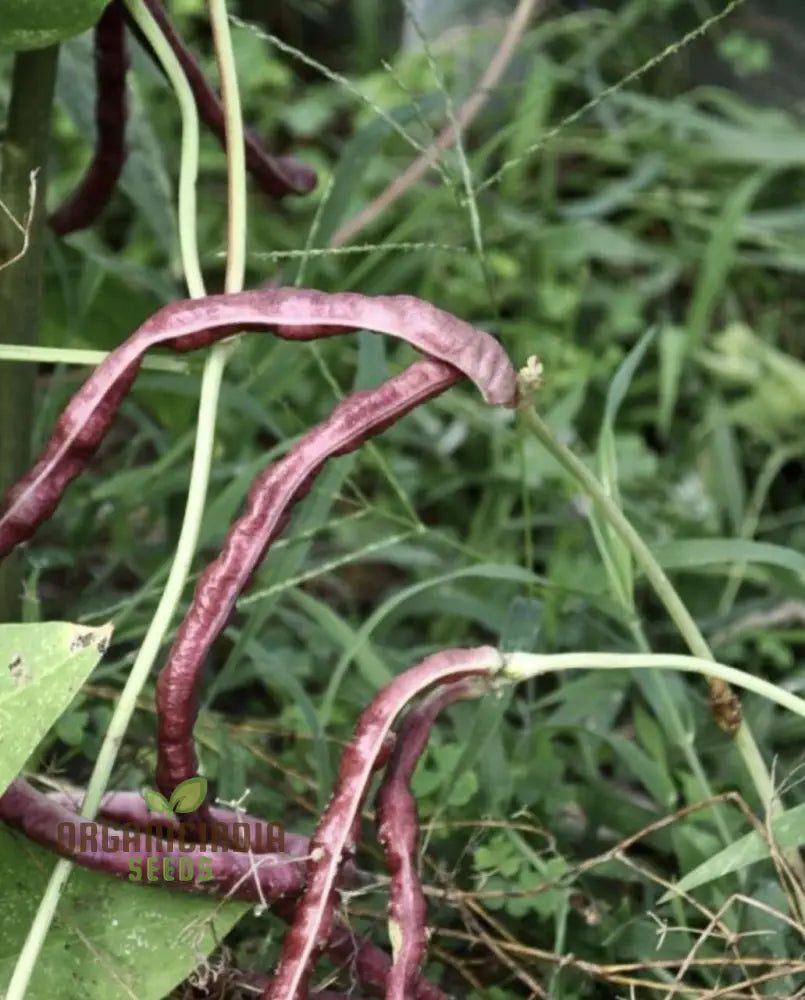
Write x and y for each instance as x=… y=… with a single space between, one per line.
x=156 y=803
x=188 y=796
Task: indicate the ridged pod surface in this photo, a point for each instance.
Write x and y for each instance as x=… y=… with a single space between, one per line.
x=256 y=877
x=398 y=832
x=332 y=843
x=290 y=313
x=268 y=507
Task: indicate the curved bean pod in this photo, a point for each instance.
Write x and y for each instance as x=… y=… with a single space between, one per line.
x=367 y=962
x=100 y=180
x=398 y=831
x=331 y=844
x=291 y=313
x=268 y=507
x=238 y=875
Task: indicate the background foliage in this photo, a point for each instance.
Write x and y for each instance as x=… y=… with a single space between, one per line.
x=673 y=206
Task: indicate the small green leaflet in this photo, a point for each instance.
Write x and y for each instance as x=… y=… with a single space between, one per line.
x=188 y=796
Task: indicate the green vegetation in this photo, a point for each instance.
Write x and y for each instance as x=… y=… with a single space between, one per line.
x=647 y=242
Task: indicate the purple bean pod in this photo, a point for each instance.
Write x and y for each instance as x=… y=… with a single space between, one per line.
x=130 y=807
x=257 y=877
x=38 y=815
x=268 y=506
x=313 y=920
x=398 y=832
x=100 y=180
x=292 y=313
x=367 y=963
x=275 y=175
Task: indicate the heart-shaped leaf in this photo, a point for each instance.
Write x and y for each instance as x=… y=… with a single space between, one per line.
x=35 y=24
x=189 y=795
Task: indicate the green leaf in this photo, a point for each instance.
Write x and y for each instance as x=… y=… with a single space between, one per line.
x=42 y=668
x=727 y=475
x=188 y=796
x=112 y=939
x=463 y=789
x=614 y=553
x=156 y=802
x=522 y=625
x=71 y=727
x=275 y=674
x=654 y=777
x=479 y=739
x=355 y=158
x=788 y=831
x=692 y=553
x=35 y=24
x=720 y=254
x=672 y=348
x=528 y=119
x=622 y=379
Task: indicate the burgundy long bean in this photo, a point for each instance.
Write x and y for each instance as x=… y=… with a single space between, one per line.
x=290 y=313
x=275 y=175
x=398 y=831
x=268 y=506
x=303 y=880
x=39 y=816
x=239 y=875
x=102 y=175
x=367 y=963
x=332 y=843
x=130 y=807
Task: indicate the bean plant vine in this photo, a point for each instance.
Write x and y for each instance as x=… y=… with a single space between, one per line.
x=303 y=883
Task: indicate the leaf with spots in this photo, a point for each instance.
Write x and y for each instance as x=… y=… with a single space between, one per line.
x=112 y=939
x=42 y=668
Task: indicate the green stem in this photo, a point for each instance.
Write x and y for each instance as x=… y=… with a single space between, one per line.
x=205 y=427
x=522 y=666
x=235 y=148
x=22 y=225
x=744 y=741
x=194 y=508
x=188 y=163
x=83 y=357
